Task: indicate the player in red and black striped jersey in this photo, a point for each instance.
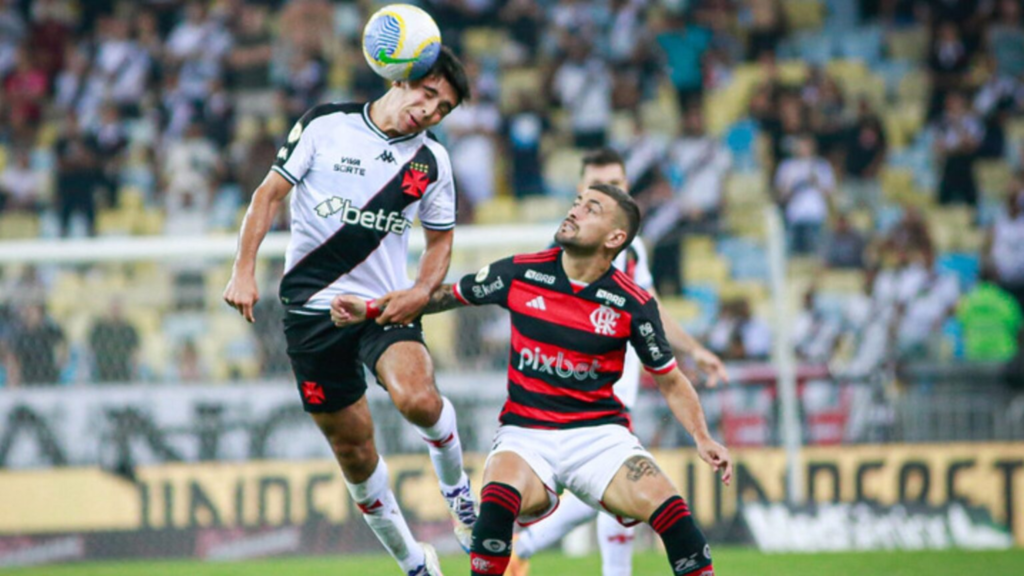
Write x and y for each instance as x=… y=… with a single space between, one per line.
x=562 y=426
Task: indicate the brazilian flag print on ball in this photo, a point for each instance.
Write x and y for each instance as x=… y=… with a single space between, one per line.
x=401 y=42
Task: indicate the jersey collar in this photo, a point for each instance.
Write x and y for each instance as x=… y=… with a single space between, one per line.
x=373 y=128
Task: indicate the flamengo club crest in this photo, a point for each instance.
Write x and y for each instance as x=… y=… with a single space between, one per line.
x=604 y=318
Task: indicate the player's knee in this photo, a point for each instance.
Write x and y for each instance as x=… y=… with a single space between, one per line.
x=421 y=407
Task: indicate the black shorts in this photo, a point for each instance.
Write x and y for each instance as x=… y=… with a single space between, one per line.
x=328 y=361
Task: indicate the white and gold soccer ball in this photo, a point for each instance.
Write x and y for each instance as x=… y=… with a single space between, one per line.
x=401 y=42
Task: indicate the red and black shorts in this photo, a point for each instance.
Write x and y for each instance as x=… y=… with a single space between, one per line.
x=329 y=361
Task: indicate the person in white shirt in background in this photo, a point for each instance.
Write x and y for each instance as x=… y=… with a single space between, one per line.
x=804 y=185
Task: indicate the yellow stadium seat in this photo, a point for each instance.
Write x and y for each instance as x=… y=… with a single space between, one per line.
x=705 y=269
x=896 y=183
x=804 y=14
x=3 y=157
x=679 y=309
x=562 y=168
x=542 y=209
x=484 y=42
x=497 y=210
x=914 y=87
x=113 y=222
x=439 y=335
x=993 y=177
x=841 y=281
x=746 y=190
x=751 y=291
x=908 y=44
x=18 y=226
x=698 y=246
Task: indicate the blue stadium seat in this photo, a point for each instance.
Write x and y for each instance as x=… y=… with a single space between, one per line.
x=964 y=266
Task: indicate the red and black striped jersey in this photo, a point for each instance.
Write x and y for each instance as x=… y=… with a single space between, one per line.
x=568 y=343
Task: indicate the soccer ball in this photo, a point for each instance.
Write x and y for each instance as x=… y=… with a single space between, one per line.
x=401 y=42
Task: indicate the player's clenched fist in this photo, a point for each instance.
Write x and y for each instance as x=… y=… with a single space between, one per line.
x=347 y=310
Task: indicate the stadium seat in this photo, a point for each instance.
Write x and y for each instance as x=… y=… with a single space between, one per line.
x=910 y=44
x=804 y=14
x=705 y=269
x=562 y=171
x=993 y=177
x=497 y=210
x=535 y=209
x=16 y=225
x=841 y=281
x=914 y=87
x=964 y=265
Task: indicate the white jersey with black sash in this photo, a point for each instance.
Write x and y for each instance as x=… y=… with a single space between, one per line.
x=357 y=192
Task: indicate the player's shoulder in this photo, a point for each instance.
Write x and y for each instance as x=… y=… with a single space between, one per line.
x=329 y=109
x=437 y=149
x=549 y=255
x=631 y=293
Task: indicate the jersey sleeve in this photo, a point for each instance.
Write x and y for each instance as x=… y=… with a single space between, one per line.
x=488 y=286
x=647 y=335
x=437 y=208
x=296 y=155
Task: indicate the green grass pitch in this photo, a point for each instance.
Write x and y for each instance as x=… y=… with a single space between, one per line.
x=728 y=562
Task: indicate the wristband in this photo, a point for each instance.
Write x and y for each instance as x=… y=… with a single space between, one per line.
x=372 y=310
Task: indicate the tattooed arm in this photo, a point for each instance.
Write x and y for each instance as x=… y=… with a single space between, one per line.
x=347 y=309
x=443 y=298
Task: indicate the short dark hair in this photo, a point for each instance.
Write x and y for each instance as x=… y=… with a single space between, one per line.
x=449 y=67
x=602 y=157
x=628 y=207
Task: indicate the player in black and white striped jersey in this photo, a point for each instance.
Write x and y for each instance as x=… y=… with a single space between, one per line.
x=361 y=172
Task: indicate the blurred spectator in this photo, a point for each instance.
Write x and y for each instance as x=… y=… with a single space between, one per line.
x=188 y=366
x=1005 y=39
x=827 y=118
x=804 y=186
x=304 y=84
x=957 y=136
x=36 y=349
x=25 y=90
x=909 y=237
x=844 y=246
x=1004 y=243
x=767 y=22
x=195 y=49
x=251 y=53
x=114 y=343
x=923 y=308
x=111 y=143
x=12 y=31
x=78 y=91
x=784 y=126
x=218 y=115
x=684 y=45
x=259 y=150
x=120 y=65
x=736 y=335
x=21 y=187
x=582 y=85
x=697 y=165
x=524 y=128
x=525 y=21
x=948 y=62
x=865 y=154
x=991 y=321
x=79 y=174
x=815 y=333
x=472 y=128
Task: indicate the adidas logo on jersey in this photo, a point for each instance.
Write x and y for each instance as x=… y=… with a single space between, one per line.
x=394 y=222
x=537 y=303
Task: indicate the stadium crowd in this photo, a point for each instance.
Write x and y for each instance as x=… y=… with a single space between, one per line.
x=889 y=134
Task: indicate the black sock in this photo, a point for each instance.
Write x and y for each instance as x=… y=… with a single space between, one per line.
x=492 y=533
x=688 y=551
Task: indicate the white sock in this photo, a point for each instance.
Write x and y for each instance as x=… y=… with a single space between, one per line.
x=380 y=510
x=571 y=512
x=445 y=448
x=616 y=542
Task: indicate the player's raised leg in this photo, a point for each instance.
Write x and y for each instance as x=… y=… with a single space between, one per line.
x=616 y=543
x=571 y=512
x=350 y=434
x=640 y=490
x=511 y=489
x=407 y=371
